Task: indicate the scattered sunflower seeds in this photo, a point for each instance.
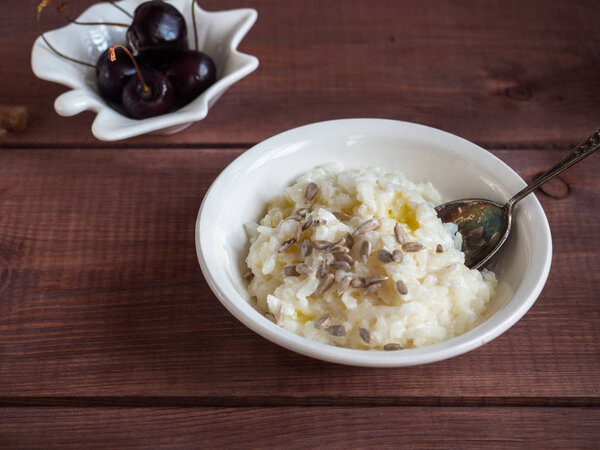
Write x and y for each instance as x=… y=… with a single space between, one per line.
x=270 y=317
x=325 y=284
x=305 y=248
x=323 y=268
x=336 y=330
x=294 y=217
x=344 y=284
x=344 y=257
x=299 y=232
x=365 y=335
x=290 y=271
x=307 y=222
x=375 y=279
x=337 y=244
x=322 y=321
x=321 y=245
x=341 y=216
x=397 y=256
x=372 y=288
x=349 y=240
x=341 y=265
x=357 y=282
x=319 y=222
x=392 y=346
x=311 y=191
x=439 y=249
x=384 y=256
x=303 y=269
x=365 y=251
x=287 y=244
x=369 y=225
x=302 y=212
x=342 y=249
x=401 y=287
x=412 y=246
x=400 y=234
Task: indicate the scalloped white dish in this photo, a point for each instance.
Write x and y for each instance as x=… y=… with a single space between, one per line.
x=219 y=35
x=456 y=167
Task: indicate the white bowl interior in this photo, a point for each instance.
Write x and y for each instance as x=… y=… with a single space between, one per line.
x=457 y=168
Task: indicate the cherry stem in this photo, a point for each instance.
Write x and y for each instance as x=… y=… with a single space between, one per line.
x=62 y=55
x=119 y=8
x=146 y=91
x=195 y=26
x=110 y=24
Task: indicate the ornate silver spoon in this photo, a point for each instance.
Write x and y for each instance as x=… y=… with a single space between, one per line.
x=485 y=225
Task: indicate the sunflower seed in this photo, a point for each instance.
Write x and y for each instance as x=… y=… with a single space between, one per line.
x=321 y=245
x=372 y=288
x=341 y=216
x=336 y=330
x=295 y=217
x=287 y=244
x=412 y=246
x=392 y=346
x=302 y=212
x=344 y=284
x=365 y=251
x=439 y=249
x=322 y=321
x=349 y=240
x=342 y=265
x=290 y=271
x=401 y=287
x=299 y=232
x=365 y=335
x=311 y=191
x=369 y=225
x=307 y=222
x=323 y=268
x=344 y=257
x=384 y=256
x=319 y=222
x=357 y=282
x=248 y=275
x=397 y=256
x=337 y=244
x=375 y=279
x=325 y=284
x=400 y=234
x=270 y=317
x=305 y=248
x=303 y=269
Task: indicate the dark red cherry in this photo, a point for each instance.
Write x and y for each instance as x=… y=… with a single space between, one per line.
x=148 y=98
x=112 y=76
x=157 y=29
x=191 y=72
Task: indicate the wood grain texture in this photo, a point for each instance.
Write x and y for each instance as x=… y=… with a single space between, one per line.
x=102 y=300
x=508 y=73
x=294 y=428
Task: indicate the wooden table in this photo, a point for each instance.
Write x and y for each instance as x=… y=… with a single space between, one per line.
x=110 y=336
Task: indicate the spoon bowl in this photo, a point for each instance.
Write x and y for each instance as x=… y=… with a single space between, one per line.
x=485 y=225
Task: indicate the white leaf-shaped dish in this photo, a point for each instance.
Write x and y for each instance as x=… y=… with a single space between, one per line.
x=219 y=34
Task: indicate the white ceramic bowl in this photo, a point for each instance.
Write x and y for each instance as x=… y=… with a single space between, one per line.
x=219 y=35
x=457 y=168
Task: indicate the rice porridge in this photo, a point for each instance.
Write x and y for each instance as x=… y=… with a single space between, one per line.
x=358 y=258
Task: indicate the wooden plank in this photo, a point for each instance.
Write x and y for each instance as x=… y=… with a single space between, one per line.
x=418 y=427
x=508 y=73
x=101 y=298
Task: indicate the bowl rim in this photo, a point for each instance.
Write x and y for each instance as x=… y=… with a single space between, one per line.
x=249 y=316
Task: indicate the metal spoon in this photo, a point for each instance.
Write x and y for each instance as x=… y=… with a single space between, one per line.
x=485 y=225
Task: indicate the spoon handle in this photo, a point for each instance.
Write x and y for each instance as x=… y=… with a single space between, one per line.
x=583 y=150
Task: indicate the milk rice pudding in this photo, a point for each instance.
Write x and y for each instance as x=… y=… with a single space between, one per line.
x=358 y=258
